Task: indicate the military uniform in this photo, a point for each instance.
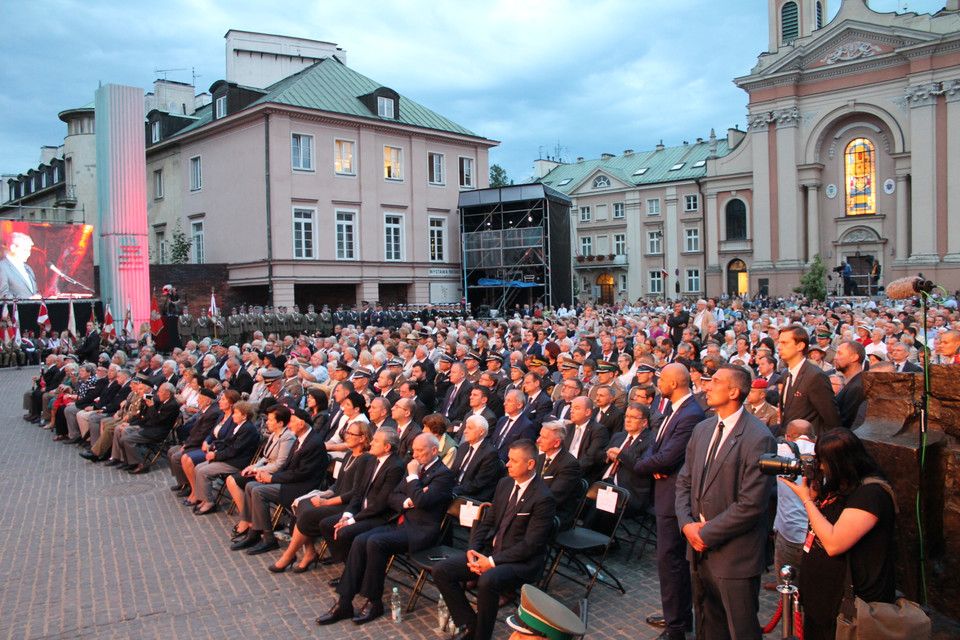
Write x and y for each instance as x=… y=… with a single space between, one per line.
x=311 y=321
x=203 y=326
x=269 y=320
x=186 y=326
x=283 y=321
x=366 y=315
x=325 y=323
x=339 y=317
x=235 y=326
x=297 y=324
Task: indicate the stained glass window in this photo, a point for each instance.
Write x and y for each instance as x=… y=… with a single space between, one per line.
x=860 y=160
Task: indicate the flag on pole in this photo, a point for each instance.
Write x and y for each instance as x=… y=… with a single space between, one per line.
x=666 y=274
x=6 y=332
x=17 y=339
x=72 y=322
x=156 y=322
x=108 y=329
x=43 y=317
x=93 y=316
x=213 y=311
x=128 y=322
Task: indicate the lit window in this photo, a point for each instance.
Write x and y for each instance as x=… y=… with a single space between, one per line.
x=393 y=163
x=654 y=242
x=435 y=168
x=196 y=174
x=655 y=283
x=584 y=214
x=860 y=178
x=345 y=236
x=343 y=157
x=393 y=238
x=303 y=234
x=693 y=280
x=691 y=203
x=301 y=147
x=653 y=207
x=618 y=210
x=438 y=233
x=466 y=172
x=586 y=246
x=600 y=182
x=692 y=235
x=221 y=108
x=385 y=107
x=196 y=234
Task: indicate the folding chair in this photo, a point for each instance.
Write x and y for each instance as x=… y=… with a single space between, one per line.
x=581 y=541
x=426 y=559
x=646 y=531
x=154 y=451
x=221 y=479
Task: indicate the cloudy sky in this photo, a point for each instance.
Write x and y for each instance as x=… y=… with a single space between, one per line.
x=586 y=77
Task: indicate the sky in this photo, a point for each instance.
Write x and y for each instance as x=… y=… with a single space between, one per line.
x=545 y=78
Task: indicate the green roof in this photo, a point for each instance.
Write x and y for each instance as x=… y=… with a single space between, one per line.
x=647 y=167
x=331 y=86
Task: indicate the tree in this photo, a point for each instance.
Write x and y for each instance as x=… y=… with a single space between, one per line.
x=498 y=176
x=180 y=246
x=813 y=284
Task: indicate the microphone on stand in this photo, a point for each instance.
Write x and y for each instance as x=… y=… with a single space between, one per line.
x=57 y=271
x=904 y=288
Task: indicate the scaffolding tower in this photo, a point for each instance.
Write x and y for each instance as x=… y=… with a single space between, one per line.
x=516 y=247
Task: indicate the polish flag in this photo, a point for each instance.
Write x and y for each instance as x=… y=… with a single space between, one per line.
x=43 y=318
x=108 y=329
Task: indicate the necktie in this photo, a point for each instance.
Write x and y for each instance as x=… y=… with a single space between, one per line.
x=612 y=471
x=506 y=429
x=575 y=445
x=453 y=394
x=466 y=463
x=546 y=465
x=565 y=410
x=711 y=455
x=786 y=388
x=505 y=519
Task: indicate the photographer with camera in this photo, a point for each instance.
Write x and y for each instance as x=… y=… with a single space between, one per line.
x=851 y=509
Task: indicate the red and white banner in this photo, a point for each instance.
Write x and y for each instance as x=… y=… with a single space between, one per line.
x=43 y=317
x=108 y=329
x=16 y=325
x=213 y=311
x=128 y=323
x=156 y=322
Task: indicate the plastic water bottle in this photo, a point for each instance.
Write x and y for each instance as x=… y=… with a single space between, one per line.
x=443 y=615
x=395 y=606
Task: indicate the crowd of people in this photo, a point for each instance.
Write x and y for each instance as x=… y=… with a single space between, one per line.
x=367 y=433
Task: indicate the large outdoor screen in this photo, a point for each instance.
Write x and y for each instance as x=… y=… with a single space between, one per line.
x=46 y=261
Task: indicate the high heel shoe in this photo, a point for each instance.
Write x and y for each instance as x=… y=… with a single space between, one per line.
x=275 y=568
x=303 y=568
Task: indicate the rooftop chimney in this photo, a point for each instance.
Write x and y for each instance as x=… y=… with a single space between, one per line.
x=660 y=146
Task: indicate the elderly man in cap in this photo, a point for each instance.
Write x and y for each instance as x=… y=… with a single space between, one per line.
x=607 y=373
x=156 y=421
x=757 y=404
x=540 y=616
x=206 y=419
x=273 y=379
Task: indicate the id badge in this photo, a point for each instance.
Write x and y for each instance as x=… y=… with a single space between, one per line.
x=808 y=543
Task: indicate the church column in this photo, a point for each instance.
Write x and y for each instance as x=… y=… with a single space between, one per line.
x=789 y=220
x=951 y=91
x=760 y=212
x=903 y=218
x=712 y=272
x=923 y=100
x=813 y=221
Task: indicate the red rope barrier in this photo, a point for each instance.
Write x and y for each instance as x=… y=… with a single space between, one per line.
x=776 y=618
x=797 y=621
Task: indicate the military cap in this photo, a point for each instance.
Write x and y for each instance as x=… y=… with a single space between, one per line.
x=360 y=372
x=208 y=393
x=343 y=366
x=271 y=374
x=568 y=364
x=608 y=367
x=494 y=356
x=142 y=378
x=646 y=368
x=448 y=358
x=537 y=361
x=472 y=355
x=541 y=615
x=393 y=362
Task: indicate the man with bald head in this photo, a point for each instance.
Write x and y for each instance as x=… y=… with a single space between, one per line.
x=663 y=459
x=587 y=439
x=791 y=522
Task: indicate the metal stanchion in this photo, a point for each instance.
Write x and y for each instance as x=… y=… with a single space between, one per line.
x=789 y=602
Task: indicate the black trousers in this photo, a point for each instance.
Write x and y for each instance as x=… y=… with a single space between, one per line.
x=726 y=607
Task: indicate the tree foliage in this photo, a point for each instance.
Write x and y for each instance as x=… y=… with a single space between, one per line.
x=498 y=176
x=813 y=284
x=180 y=245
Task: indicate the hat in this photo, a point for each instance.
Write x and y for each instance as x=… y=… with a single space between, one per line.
x=413 y=335
x=538 y=361
x=393 y=362
x=878 y=350
x=826 y=335
x=606 y=366
x=816 y=347
x=208 y=393
x=568 y=364
x=494 y=356
x=447 y=358
x=343 y=366
x=646 y=368
x=142 y=378
x=539 y=614
x=271 y=374
x=759 y=383
x=472 y=355
x=362 y=373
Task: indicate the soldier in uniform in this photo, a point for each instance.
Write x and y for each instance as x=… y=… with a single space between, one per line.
x=404 y=314
x=269 y=319
x=283 y=322
x=472 y=362
x=297 y=323
x=325 y=324
x=339 y=317
x=366 y=315
x=186 y=325
x=393 y=318
x=311 y=320
x=204 y=327
x=380 y=317
x=235 y=326
x=353 y=317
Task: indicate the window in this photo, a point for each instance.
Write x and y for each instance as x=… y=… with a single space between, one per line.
x=564 y=182
x=620 y=244
x=586 y=246
x=438 y=236
x=860 y=174
x=221 y=108
x=435 y=168
x=655 y=282
x=677 y=166
x=654 y=241
x=385 y=107
x=393 y=238
x=11 y=193
x=301 y=147
x=623 y=282
x=736 y=219
x=196 y=174
x=698 y=164
x=43 y=180
x=692 y=235
x=158 y=184
x=586 y=284
x=393 y=163
x=466 y=172
x=345 y=236
x=30 y=188
x=303 y=234
x=196 y=233
x=640 y=171
x=155 y=131
x=56 y=175
x=819 y=15
x=789 y=22
x=618 y=209
x=600 y=182
x=584 y=214
x=693 y=280
x=691 y=203
x=161 y=238
x=653 y=207
x=343 y=157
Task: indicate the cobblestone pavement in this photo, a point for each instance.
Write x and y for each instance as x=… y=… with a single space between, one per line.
x=87 y=551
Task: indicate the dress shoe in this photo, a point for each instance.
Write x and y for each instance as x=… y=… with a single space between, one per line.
x=112 y=463
x=467 y=634
x=183 y=493
x=336 y=613
x=140 y=468
x=190 y=503
x=126 y=466
x=202 y=512
x=89 y=455
x=672 y=635
x=252 y=538
x=178 y=487
x=334 y=582
x=657 y=620
x=59 y=438
x=276 y=568
x=267 y=544
x=371 y=611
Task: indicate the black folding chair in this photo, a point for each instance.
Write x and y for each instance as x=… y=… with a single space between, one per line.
x=581 y=541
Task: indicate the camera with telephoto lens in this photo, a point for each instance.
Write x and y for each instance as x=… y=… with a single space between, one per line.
x=805 y=464
x=838 y=269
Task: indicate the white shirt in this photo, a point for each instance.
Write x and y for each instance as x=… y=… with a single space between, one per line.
x=791 y=520
x=676 y=407
x=728 y=423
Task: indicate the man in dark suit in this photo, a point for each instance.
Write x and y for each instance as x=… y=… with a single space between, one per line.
x=426 y=392
x=370 y=507
x=422 y=499
x=626 y=447
x=569 y=389
x=456 y=402
x=538 y=405
x=851 y=399
x=587 y=440
x=17 y=280
x=560 y=471
x=160 y=416
x=722 y=499
x=89 y=349
x=513 y=426
x=507 y=547
x=479 y=404
x=204 y=422
x=477 y=467
x=898 y=353
x=608 y=415
x=301 y=473
x=807 y=394
x=663 y=460
x=677 y=321
x=407 y=429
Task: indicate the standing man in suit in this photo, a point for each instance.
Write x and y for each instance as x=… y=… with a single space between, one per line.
x=507 y=547
x=301 y=473
x=677 y=322
x=560 y=471
x=513 y=426
x=89 y=351
x=851 y=402
x=807 y=394
x=16 y=277
x=370 y=507
x=477 y=467
x=422 y=499
x=663 y=460
x=587 y=440
x=722 y=499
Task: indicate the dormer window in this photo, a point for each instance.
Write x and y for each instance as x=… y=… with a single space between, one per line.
x=600 y=182
x=155 y=131
x=383 y=102
x=221 y=108
x=385 y=107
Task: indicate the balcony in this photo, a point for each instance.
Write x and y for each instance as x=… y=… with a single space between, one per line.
x=67 y=196
x=605 y=261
